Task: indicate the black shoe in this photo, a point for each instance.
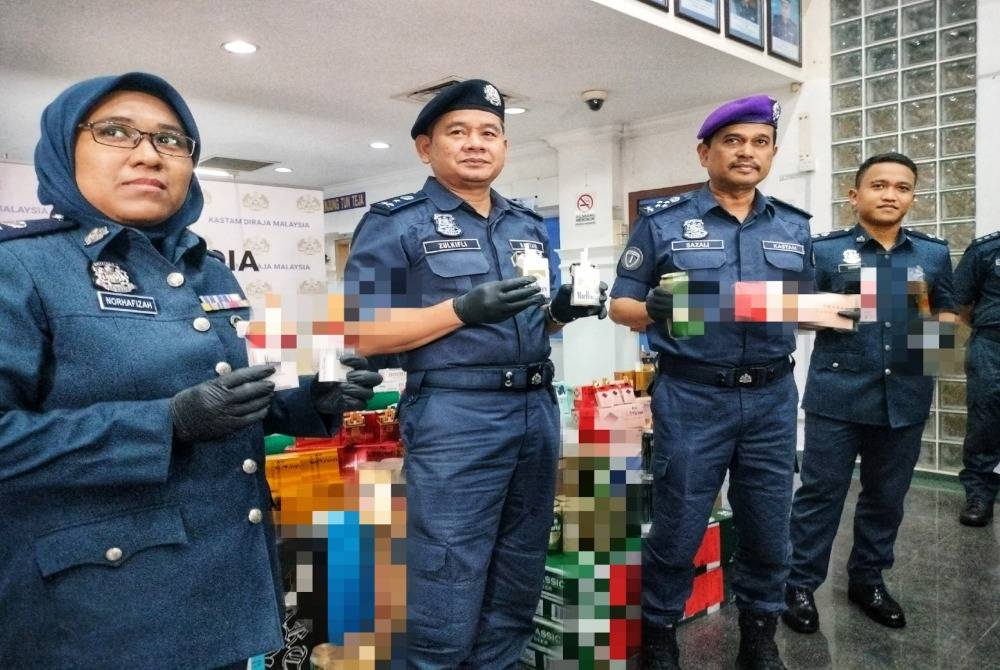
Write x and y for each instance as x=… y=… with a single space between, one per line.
x=757 y=648
x=801 y=615
x=659 y=647
x=976 y=513
x=877 y=604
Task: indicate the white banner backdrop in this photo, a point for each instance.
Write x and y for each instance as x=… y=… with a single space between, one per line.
x=18 y=193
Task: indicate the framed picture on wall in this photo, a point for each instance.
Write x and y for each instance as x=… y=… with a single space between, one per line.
x=784 y=35
x=660 y=4
x=703 y=12
x=745 y=21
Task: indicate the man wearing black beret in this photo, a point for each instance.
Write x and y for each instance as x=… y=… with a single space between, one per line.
x=436 y=277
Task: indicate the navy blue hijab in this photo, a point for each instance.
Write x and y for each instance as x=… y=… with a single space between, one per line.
x=55 y=151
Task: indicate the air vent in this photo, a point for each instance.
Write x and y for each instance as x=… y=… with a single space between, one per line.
x=422 y=94
x=234 y=164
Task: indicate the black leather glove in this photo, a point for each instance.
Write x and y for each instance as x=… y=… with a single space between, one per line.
x=562 y=311
x=496 y=301
x=335 y=398
x=659 y=304
x=222 y=406
x=854 y=314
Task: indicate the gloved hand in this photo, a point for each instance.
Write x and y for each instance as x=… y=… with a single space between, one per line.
x=496 y=301
x=659 y=304
x=335 y=398
x=854 y=314
x=222 y=406
x=564 y=312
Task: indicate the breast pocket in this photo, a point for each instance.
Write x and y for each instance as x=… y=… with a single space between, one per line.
x=455 y=270
x=700 y=259
x=787 y=257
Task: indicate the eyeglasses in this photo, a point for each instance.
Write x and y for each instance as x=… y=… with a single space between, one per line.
x=124 y=136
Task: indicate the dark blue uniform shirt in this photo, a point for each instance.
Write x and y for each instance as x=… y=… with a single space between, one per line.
x=420 y=249
x=977 y=281
x=694 y=234
x=872 y=376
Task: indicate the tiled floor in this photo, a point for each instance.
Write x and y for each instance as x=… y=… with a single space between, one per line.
x=946 y=577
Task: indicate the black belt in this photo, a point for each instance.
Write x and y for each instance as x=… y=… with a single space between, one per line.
x=992 y=334
x=487 y=378
x=760 y=374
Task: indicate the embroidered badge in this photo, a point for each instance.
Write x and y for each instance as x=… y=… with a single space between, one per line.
x=851 y=257
x=632 y=258
x=445 y=225
x=694 y=229
x=111 y=277
x=492 y=95
x=95 y=236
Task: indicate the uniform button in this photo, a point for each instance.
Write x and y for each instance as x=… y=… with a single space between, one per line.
x=888 y=347
x=201 y=324
x=888 y=371
x=223 y=368
x=175 y=279
x=234 y=319
x=114 y=554
x=888 y=324
x=249 y=466
x=835 y=365
x=255 y=516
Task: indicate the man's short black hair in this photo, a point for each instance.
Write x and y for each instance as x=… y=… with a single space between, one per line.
x=888 y=157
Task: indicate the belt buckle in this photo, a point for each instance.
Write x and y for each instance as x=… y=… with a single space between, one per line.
x=750 y=376
x=535 y=375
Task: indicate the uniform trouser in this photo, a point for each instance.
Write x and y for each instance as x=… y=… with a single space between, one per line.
x=981 y=451
x=480 y=481
x=888 y=456
x=699 y=432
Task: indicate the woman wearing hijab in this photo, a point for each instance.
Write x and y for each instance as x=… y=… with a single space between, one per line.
x=135 y=529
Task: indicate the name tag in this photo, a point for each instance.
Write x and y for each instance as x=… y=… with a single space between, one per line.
x=214 y=303
x=437 y=246
x=696 y=245
x=121 y=302
x=522 y=245
x=785 y=246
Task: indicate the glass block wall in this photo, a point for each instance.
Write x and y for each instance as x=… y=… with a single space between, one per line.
x=903 y=78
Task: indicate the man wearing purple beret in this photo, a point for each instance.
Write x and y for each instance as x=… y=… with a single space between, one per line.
x=737 y=373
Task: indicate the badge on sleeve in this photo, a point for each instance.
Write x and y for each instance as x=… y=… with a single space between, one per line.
x=694 y=229
x=632 y=258
x=111 y=277
x=445 y=225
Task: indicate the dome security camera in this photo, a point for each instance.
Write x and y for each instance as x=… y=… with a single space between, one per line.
x=594 y=99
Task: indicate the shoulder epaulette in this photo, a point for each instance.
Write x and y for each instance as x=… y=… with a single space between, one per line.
x=831 y=234
x=925 y=236
x=785 y=205
x=525 y=209
x=217 y=255
x=392 y=205
x=666 y=203
x=985 y=238
x=10 y=230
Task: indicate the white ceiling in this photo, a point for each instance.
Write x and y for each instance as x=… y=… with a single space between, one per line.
x=322 y=85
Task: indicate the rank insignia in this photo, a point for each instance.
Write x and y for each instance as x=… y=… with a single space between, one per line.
x=445 y=225
x=95 y=236
x=851 y=257
x=860 y=238
x=694 y=229
x=111 y=277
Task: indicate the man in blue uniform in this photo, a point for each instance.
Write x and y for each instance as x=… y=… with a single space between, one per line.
x=868 y=393
x=433 y=276
x=736 y=373
x=977 y=292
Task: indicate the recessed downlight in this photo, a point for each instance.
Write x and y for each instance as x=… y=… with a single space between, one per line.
x=515 y=110
x=379 y=145
x=283 y=169
x=239 y=47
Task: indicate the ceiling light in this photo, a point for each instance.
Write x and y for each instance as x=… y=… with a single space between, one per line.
x=282 y=169
x=211 y=172
x=515 y=110
x=379 y=145
x=239 y=47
